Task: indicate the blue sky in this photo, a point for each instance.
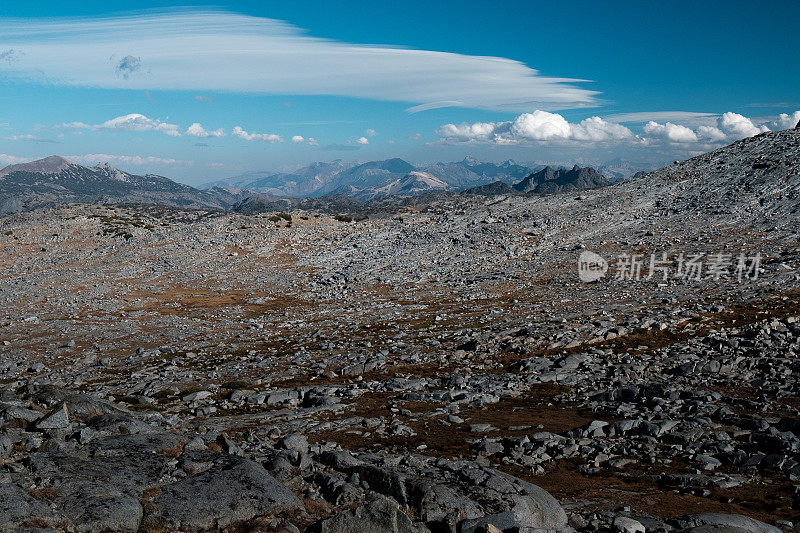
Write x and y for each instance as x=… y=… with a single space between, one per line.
x=222 y=88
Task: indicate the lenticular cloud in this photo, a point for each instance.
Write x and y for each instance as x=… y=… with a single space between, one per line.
x=229 y=52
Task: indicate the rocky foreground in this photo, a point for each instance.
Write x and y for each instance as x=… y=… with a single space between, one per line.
x=437 y=368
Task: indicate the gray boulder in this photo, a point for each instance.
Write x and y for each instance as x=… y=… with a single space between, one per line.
x=231 y=492
x=533 y=509
x=99 y=508
x=380 y=516
x=719 y=523
x=17 y=508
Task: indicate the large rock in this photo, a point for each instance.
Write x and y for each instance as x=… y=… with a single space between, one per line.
x=99 y=508
x=722 y=523
x=380 y=516
x=533 y=509
x=79 y=406
x=231 y=492
x=18 y=508
x=126 y=464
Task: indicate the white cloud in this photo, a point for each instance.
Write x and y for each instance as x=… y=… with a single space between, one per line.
x=539 y=126
x=239 y=133
x=362 y=140
x=299 y=139
x=25 y=137
x=139 y=122
x=218 y=51
x=93 y=159
x=478 y=131
x=371 y=133
x=711 y=134
x=785 y=121
x=736 y=126
x=597 y=129
x=697 y=134
x=131 y=122
x=726 y=128
x=197 y=130
x=414 y=136
x=6 y=159
x=670 y=132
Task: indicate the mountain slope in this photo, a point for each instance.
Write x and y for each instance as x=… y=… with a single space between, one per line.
x=412 y=184
x=55 y=180
x=756 y=179
x=365 y=176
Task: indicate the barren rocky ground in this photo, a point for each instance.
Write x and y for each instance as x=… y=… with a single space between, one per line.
x=440 y=367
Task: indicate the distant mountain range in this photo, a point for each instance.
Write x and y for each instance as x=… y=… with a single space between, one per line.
x=337 y=184
x=374 y=178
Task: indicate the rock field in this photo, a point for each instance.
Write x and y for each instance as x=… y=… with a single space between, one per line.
x=435 y=367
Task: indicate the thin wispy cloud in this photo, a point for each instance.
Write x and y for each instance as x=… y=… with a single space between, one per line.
x=93 y=159
x=218 y=51
x=646 y=116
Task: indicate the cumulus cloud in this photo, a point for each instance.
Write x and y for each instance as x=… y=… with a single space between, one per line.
x=197 y=130
x=538 y=126
x=93 y=159
x=702 y=130
x=298 y=139
x=414 y=136
x=785 y=121
x=220 y=51
x=728 y=128
x=711 y=134
x=362 y=140
x=736 y=126
x=239 y=133
x=597 y=129
x=670 y=132
x=371 y=133
x=139 y=122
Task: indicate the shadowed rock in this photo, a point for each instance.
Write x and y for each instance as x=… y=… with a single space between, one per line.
x=231 y=492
